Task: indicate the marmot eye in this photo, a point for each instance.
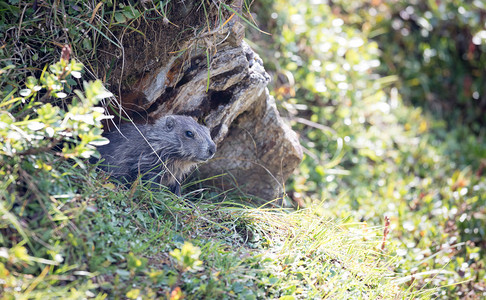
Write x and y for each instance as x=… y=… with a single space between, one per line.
x=189 y=134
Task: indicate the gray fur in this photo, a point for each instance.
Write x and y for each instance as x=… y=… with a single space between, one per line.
x=162 y=153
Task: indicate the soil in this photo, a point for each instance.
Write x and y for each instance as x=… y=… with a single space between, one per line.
x=150 y=42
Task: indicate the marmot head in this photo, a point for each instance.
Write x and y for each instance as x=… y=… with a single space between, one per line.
x=182 y=138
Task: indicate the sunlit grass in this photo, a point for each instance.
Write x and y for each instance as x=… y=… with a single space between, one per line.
x=368 y=152
x=120 y=243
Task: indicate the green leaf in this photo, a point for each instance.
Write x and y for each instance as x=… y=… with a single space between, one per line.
x=120 y=18
x=128 y=11
x=87 y=45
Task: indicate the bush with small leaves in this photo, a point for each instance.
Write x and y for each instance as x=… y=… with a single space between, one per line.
x=46 y=130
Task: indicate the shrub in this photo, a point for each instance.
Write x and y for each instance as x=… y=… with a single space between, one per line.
x=42 y=127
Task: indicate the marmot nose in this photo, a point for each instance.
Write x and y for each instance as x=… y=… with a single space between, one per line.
x=211 y=150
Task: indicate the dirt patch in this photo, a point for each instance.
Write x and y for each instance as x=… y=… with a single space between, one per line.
x=150 y=41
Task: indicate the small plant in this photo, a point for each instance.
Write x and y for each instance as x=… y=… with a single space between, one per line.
x=45 y=125
x=187 y=258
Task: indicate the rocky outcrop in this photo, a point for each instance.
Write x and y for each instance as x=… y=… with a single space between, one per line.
x=259 y=152
x=256 y=150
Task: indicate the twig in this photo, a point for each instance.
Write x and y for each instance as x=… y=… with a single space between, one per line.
x=386 y=230
x=33 y=151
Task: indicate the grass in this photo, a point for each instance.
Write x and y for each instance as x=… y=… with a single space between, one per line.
x=368 y=152
x=107 y=241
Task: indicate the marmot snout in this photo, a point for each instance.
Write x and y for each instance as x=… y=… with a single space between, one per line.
x=162 y=153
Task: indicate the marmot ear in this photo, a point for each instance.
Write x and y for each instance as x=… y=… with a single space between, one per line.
x=169 y=123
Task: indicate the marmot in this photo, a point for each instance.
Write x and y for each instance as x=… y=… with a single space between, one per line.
x=162 y=153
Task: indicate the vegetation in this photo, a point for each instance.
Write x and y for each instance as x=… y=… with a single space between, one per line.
x=67 y=233
x=391 y=196
x=347 y=78
x=426 y=35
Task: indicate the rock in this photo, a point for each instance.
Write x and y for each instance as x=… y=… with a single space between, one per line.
x=256 y=149
x=258 y=154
